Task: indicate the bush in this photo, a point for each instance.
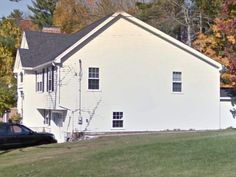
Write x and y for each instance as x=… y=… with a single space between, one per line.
x=16 y=118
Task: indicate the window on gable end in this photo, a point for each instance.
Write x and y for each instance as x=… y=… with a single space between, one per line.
x=21 y=77
x=39 y=82
x=117 y=121
x=177 y=82
x=50 y=79
x=93 y=79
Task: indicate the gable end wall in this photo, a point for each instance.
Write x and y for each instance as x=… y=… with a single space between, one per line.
x=136 y=78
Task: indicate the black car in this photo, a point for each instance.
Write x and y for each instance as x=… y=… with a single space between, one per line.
x=16 y=136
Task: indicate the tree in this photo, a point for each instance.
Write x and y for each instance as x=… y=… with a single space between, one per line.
x=43 y=12
x=106 y=7
x=16 y=15
x=71 y=15
x=220 y=44
x=7 y=97
x=207 y=12
x=182 y=19
x=10 y=36
x=226 y=29
x=166 y=15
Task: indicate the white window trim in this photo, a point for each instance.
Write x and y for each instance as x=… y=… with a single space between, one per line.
x=21 y=76
x=172 y=82
x=49 y=79
x=38 y=81
x=47 y=118
x=99 y=85
x=118 y=128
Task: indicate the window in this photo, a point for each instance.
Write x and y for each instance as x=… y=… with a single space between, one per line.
x=21 y=77
x=16 y=129
x=47 y=117
x=93 y=79
x=50 y=79
x=39 y=82
x=117 y=121
x=22 y=94
x=177 y=82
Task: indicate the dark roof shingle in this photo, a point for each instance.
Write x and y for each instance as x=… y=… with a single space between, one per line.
x=45 y=47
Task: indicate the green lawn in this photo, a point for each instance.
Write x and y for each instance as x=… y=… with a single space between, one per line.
x=206 y=154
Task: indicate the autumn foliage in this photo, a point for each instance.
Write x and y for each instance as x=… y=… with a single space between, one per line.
x=220 y=44
x=70 y=15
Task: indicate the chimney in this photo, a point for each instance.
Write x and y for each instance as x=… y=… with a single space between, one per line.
x=51 y=30
x=26 y=24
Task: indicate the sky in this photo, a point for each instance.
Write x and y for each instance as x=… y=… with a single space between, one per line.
x=6 y=6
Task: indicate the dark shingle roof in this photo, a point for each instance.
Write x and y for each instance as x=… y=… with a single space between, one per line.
x=45 y=47
x=227 y=92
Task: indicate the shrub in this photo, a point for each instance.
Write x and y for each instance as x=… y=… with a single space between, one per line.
x=16 y=118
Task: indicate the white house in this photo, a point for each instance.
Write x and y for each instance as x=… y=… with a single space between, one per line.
x=119 y=74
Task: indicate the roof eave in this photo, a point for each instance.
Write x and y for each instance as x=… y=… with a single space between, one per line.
x=172 y=40
x=38 y=67
x=148 y=28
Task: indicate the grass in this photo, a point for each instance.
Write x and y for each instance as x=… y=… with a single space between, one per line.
x=205 y=154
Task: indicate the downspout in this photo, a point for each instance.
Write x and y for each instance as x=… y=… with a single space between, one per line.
x=222 y=70
x=57 y=88
x=80 y=92
x=58 y=84
x=220 y=115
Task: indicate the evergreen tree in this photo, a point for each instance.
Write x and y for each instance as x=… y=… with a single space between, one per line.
x=43 y=12
x=16 y=15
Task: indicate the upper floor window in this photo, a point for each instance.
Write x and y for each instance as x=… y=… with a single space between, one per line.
x=177 y=82
x=39 y=82
x=21 y=77
x=50 y=79
x=117 y=121
x=93 y=79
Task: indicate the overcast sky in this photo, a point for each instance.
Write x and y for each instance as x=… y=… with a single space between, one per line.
x=6 y=6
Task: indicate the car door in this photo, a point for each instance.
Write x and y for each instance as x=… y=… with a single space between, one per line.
x=22 y=135
x=29 y=137
x=9 y=139
x=3 y=135
x=14 y=139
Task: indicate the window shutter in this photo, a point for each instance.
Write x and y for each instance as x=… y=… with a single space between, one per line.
x=47 y=80
x=36 y=81
x=43 y=80
x=52 y=78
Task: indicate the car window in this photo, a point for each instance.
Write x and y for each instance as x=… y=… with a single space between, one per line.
x=26 y=130
x=16 y=129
